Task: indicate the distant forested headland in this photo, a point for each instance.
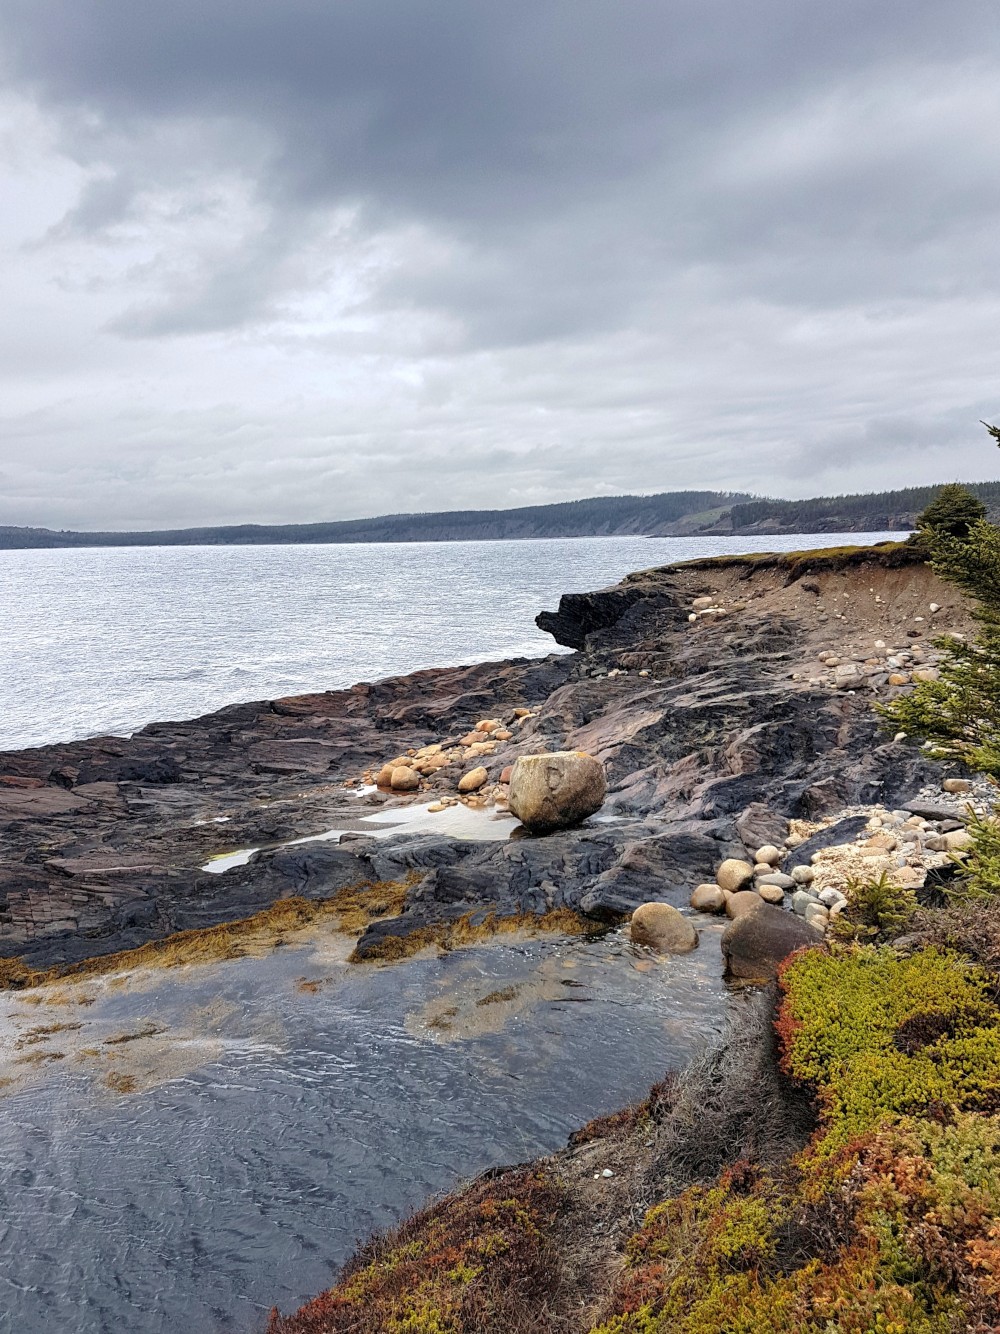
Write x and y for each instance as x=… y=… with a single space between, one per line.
x=669 y=514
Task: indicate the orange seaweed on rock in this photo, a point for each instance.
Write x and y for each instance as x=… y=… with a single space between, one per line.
x=472 y=927
x=349 y=910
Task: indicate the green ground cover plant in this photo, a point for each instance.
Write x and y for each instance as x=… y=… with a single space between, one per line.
x=889 y=1221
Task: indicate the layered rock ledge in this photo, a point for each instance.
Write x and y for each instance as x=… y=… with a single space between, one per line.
x=723 y=699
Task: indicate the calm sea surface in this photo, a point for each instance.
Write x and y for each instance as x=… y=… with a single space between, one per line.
x=105 y=640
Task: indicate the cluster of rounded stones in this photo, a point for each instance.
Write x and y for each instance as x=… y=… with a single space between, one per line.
x=710 y=609
x=410 y=772
x=741 y=886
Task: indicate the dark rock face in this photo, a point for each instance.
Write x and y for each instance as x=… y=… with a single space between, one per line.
x=755 y=943
x=583 y=614
x=708 y=753
x=843 y=831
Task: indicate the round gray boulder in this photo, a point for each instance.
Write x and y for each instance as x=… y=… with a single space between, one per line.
x=733 y=874
x=743 y=901
x=708 y=898
x=754 y=944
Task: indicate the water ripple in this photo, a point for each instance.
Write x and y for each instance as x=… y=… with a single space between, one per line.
x=246 y=1180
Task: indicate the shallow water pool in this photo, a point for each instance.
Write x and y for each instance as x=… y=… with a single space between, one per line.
x=185 y=1149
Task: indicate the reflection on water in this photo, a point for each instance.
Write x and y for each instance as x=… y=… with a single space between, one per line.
x=185 y=1149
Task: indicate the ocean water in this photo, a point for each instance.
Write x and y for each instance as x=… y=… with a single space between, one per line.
x=105 y=640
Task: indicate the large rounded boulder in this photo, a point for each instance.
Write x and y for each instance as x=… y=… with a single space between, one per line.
x=663 y=929
x=754 y=944
x=556 y=791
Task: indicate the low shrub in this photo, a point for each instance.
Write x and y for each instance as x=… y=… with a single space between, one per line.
x=847 y=1023
x=968 y=927
x=980 y=869
x=876 y=908
x=889 y=1221
x=483 y=1260
x=628 y=1119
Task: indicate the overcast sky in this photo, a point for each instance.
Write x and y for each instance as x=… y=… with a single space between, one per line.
x=304 y=259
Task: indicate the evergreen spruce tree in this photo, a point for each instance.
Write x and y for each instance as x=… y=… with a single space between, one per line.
x=954 y=510
x=960 y=712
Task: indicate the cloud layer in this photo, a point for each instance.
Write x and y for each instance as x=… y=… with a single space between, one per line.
x=308 y=259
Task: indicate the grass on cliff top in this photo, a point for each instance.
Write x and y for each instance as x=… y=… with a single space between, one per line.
x=888 y=555
x=350 y=911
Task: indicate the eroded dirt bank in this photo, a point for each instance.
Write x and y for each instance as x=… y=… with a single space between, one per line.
x=713 y=732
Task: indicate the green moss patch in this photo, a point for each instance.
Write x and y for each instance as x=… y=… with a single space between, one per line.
x=881 y=1037
x=889 y=1222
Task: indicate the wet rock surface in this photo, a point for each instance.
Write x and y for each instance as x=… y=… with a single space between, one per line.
x=712 y=735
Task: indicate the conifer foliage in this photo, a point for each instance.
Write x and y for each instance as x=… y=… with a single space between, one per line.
x=953 y=512
x=960 y=712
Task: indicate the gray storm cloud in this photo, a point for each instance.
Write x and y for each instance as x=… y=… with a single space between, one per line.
x=300 y=260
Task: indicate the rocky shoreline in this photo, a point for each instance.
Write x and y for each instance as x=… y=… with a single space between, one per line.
x=729 y=704
x=715 y=724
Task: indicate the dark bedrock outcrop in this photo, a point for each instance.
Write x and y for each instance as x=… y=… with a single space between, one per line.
x=703 y=763
x=708 y=746
x=101 y=840
x=580 y=615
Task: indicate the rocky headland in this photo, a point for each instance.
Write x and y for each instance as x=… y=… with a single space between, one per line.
x=722 y=698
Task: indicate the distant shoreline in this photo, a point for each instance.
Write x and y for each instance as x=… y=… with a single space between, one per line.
x=668 y=514
x=449 y=541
